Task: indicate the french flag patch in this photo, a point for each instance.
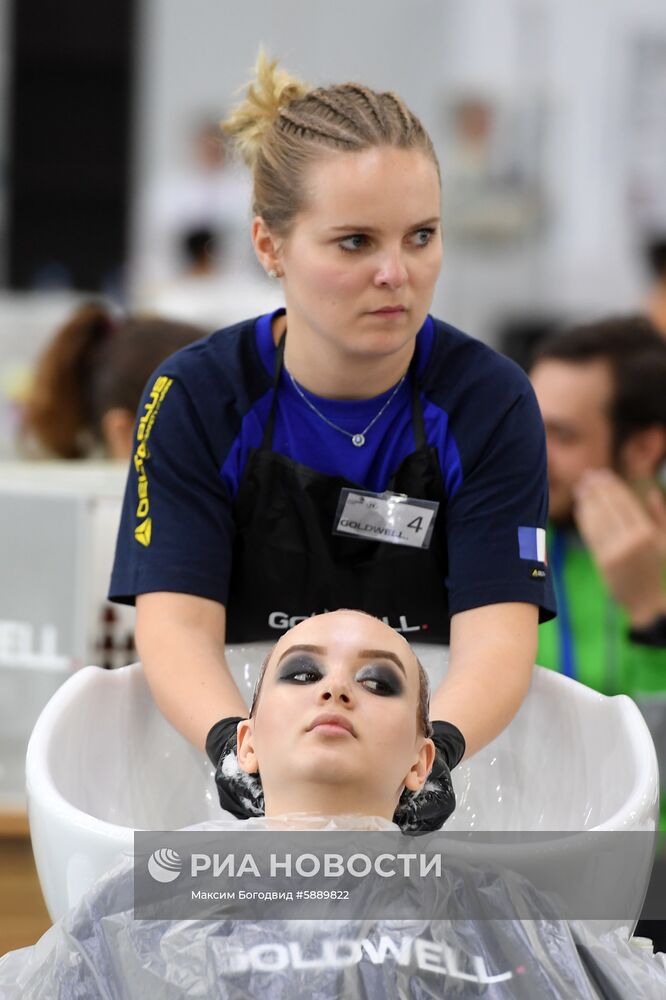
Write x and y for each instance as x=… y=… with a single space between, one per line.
x=532 y=544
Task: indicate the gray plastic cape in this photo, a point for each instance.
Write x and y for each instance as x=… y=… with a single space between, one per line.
x=98 y=950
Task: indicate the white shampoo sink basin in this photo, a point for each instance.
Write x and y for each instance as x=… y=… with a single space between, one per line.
x=102 y=762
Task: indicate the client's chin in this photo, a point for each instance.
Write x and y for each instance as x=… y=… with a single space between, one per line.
x=333 y=769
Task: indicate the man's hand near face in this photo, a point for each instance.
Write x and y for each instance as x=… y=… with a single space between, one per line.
x=627 y=539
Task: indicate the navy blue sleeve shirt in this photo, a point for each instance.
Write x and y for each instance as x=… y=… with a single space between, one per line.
x=207 y=406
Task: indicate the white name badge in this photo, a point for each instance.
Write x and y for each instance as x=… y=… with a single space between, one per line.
x=385 y=517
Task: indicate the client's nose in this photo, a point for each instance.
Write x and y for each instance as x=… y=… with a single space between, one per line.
x=336 y=690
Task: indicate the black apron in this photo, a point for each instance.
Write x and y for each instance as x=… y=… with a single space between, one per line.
x=288 y=565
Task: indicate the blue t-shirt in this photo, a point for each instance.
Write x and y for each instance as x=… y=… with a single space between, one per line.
x=207 y=406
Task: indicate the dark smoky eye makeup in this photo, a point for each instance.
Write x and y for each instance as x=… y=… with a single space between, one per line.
x=299 y=669
x=381 y=679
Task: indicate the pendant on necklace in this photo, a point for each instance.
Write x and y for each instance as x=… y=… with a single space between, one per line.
x=358 y=440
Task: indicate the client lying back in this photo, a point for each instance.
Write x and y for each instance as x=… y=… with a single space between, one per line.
x=339 y=724
x=339 y=720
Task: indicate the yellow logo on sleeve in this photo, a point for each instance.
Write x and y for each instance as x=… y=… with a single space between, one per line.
x=143 y=532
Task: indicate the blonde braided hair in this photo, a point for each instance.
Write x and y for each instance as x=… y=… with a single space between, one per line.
x=283 y=125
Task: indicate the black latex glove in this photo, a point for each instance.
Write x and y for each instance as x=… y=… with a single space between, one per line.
x=240 y=794
x=429 y=808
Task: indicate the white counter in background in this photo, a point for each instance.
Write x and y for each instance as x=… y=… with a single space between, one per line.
x=58 y=524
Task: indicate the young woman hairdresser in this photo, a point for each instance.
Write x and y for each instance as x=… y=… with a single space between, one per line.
x=349 y=451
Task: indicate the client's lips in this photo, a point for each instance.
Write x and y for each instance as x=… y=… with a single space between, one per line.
x=332 y=721
x=388 y=310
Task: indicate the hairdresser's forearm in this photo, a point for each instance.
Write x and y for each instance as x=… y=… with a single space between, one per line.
x=492 y=655
x=180 y=640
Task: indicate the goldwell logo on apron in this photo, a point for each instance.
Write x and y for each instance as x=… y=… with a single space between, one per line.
x=281 y=621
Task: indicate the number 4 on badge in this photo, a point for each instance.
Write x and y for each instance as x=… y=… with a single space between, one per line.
x=415 y=523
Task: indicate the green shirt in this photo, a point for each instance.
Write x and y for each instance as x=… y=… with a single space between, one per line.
x=595 y=629
x=603 y=656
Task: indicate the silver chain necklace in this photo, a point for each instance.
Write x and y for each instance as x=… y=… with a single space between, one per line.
x=358 y=440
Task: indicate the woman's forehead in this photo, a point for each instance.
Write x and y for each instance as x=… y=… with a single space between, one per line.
x=346 y=632
x=404 y=180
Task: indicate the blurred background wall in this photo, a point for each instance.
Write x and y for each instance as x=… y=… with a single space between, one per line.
x=70 y=95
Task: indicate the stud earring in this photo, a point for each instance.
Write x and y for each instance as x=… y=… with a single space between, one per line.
x=273 y=273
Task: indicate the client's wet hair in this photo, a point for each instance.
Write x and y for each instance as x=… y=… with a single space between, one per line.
x=423 y=707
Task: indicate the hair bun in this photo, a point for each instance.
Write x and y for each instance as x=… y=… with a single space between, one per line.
x=270 y=91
